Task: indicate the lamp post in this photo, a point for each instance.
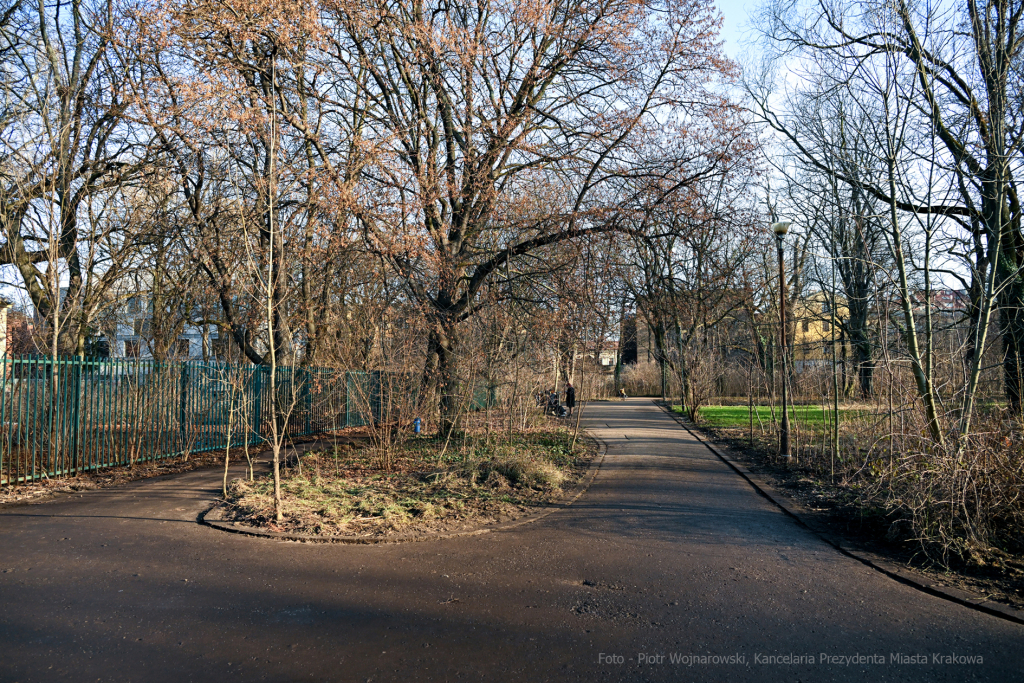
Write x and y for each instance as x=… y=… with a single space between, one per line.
x=780 y=230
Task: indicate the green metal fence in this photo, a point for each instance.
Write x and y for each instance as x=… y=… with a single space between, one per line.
x=66 y=415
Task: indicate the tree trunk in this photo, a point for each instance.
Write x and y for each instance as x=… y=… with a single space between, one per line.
x=428 y=381
x=1012 y=324
x=865 y=363
x=444 y=344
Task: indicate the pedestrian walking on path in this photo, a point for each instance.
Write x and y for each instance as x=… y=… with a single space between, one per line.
x=570 y=398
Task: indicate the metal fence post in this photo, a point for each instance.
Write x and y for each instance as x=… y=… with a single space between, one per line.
x=308 y=400
x=183 y=412
x=76 y=418
x=257 y=404
x=348 y=401
x=63 y=415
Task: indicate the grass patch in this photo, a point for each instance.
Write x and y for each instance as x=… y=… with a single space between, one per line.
x=332 y=492
x=738 y=417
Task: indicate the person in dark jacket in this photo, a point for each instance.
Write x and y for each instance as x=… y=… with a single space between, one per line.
x=570 y=398
x=553 y=406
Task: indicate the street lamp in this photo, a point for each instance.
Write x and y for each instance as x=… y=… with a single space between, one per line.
x=780 y=230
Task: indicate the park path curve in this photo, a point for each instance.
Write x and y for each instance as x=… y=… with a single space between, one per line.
x=670 y=568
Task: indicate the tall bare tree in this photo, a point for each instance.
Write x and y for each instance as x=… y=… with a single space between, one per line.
x=958 y=67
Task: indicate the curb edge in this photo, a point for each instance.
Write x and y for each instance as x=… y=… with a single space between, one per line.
x=901 y=574
x=213 y=517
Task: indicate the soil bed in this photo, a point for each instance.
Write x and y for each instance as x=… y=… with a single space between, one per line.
x=346 y=492
x=840 y=506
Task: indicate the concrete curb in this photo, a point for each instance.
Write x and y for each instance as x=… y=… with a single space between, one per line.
x=894 y=571
x=214 y=518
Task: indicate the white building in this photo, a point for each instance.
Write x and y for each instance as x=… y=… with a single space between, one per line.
x=131 y=320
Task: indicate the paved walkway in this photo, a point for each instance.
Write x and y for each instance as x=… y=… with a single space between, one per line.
x=670 y=555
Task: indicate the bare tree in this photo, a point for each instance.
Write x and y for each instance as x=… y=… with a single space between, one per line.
x=688 y=276
x=501 y=130
x=69 y=158
x=953 y=72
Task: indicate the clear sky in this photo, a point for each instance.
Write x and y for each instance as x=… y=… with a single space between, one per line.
x=735 y=13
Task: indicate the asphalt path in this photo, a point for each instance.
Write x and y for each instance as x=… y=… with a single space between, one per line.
x=670 y=568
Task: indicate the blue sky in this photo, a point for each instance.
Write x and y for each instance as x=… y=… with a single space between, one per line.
x=736 y=13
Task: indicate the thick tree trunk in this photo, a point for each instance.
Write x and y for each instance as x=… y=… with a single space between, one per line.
x=440 y=375
x=428 y=381
x=448 y=382
x=1012 y=324
x=862 y=348
x=662 y=356
x=1007 y=257
x=284 y=346
x=845 y=382
x=976 y=295
x=685 y=389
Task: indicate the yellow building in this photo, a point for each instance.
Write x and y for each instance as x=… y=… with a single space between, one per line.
x=813 y=335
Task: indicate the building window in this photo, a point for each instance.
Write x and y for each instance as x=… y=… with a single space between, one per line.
x=132 y=348
x=181 y=348
x=807 y=326
x=220 y=347
x=827 y=327
x=133 y=305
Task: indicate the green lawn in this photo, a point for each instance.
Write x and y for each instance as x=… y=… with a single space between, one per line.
x=735 y=417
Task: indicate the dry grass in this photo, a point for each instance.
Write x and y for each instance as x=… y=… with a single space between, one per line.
x=334 y=492
x=106 y=477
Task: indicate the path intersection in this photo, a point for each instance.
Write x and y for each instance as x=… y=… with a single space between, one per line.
x=669 y=568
